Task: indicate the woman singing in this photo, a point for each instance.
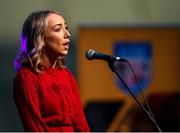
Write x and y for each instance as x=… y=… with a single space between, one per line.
x=45 y=91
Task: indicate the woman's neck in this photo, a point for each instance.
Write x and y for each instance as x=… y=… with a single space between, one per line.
x=48 y=61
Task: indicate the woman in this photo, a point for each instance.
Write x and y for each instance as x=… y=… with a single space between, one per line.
x=45 y=91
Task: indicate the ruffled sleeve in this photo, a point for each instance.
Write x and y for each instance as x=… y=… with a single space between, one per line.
x=26 y=97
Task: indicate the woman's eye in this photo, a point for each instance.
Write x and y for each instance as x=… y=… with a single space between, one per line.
x=57 y=29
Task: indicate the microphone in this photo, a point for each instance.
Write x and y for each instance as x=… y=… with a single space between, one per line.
x=91 y=54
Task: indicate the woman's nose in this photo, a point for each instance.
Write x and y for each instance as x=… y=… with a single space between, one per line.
x=67 y=34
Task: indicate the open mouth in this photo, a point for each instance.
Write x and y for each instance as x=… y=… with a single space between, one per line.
x=66 y=44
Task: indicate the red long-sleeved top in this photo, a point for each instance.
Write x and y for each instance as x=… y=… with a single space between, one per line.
x=49 y=101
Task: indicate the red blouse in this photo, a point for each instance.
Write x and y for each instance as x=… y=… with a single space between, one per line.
x=49 y=101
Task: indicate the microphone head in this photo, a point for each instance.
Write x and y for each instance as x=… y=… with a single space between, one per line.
x=89 y=54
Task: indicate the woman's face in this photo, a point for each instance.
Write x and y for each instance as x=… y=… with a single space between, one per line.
x=56 y=36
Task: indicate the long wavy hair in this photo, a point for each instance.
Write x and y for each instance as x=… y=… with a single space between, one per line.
x=32 y=43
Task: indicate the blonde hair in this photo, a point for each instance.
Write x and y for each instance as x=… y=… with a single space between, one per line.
x=32 y=43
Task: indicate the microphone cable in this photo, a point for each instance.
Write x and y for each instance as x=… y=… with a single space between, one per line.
x=146 y=110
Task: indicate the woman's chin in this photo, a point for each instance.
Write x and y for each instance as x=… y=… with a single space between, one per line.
x=63 y=53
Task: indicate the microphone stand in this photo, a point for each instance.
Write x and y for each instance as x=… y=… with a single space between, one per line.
x=113 y=69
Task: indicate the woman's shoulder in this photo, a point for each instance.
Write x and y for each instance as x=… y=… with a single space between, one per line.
x=25 y=81
x=68 y=71
x=26 y=73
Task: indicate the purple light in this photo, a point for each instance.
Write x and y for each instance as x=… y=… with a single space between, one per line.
x=17 y=63
x=23 y=43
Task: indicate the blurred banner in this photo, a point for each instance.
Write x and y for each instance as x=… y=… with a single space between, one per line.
x=139 y=55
